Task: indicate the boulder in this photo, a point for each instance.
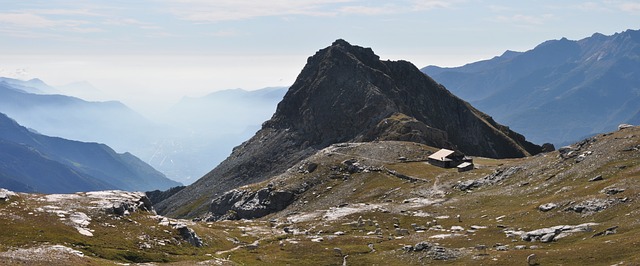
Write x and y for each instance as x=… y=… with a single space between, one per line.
x=424 y=245
x=546 y=235
x=188 y=235
x=532 y=260
x=596 y=178
x=548 y=147
x=547 y=207
x=612 y=190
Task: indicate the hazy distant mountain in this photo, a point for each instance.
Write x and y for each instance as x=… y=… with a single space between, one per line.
x=36 y=86
x=37 y=163
x=209 y=127
x=72 y=118
x=560 y=91
x=81 y=89
x=226 y=111
x=345 y=93
x=188 y=140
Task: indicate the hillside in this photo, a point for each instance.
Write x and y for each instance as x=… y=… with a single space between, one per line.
x=345 y=93
x=558 y=92
x=32 y=162
x=366 y=203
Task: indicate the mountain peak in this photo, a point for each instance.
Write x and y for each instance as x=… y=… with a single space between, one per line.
x=345 y=93
x=341 y=42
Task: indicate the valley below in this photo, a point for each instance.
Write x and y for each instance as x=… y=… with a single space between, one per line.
x=368 y=203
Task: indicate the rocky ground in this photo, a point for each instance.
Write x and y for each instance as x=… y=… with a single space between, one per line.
x=363 y=204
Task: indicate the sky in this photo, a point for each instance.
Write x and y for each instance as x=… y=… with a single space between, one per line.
x=150 y=53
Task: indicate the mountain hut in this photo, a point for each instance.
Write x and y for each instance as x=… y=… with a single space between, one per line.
x=447 y=158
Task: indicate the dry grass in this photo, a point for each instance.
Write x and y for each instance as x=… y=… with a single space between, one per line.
x=389 y=201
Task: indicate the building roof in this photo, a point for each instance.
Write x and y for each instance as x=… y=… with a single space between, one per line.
x=441 y=155
x=465 y=164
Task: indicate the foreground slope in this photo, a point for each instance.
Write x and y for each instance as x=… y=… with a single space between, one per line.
x=346 y=93
x=372 y=203
x=558 y=92
x=32 y=162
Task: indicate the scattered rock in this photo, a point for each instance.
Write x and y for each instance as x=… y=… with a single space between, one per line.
x=608 y=231
x=612 y=190
x=546 y=235
x=497 y=176
x=624 y=126
x=433 y=251
x=566 y=152
x=81 y=221
x=5 y=194
x=402 y=232
x=532 y=260
x=592 y=206
x=457 y=228
x=337 y=251
x=596 y=178
x=424 y=245
x=547 y=207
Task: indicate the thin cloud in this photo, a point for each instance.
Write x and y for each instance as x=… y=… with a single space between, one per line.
x=525 y=19
x=226 y=10
x=630 y=7
x=26 y=20
x=431 y=4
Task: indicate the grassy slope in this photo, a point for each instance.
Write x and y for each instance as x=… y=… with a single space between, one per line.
x=386 y=199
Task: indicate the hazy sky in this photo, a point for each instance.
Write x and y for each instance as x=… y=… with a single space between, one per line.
x=149 y=53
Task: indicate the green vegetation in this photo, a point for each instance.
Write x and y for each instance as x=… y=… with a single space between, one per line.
x=322 y=226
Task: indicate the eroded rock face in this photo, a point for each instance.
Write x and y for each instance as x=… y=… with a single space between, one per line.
x=242 y=204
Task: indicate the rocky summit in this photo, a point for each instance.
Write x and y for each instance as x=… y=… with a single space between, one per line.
x=345 y=93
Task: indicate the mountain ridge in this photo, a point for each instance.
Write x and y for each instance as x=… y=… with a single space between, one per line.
x=342 y=95
x=559 y=91
x=95 y=165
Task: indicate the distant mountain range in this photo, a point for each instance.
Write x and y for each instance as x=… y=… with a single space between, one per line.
x=31 y=162
x=185 y=143
x=73 y=118
x=558 y=92
x=345 y=93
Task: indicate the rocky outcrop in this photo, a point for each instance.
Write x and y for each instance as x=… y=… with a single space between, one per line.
x=345 y=93
x=5 y=194
x=546 y=235
x=495 y=177
x=433 y=251
x=242 y=204
x=188 y=235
